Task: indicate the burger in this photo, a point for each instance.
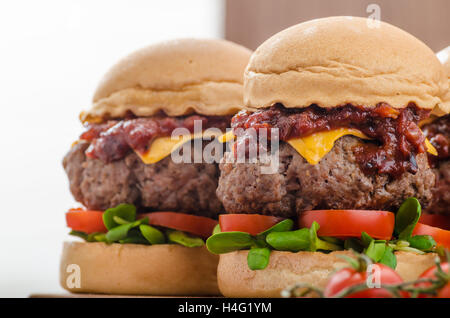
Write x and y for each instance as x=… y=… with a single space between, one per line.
x=344 y=98
x=437 y=130
x=145 y=215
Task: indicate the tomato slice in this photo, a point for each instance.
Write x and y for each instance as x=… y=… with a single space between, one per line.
x=436 y=220
x=85 y=221
x=350 y=223
x=194 y=224
x=249 y=223
x=442 y=237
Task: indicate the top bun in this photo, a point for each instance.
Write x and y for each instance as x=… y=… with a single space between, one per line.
x=177 y=77
x=444 y=57
x=341 y=60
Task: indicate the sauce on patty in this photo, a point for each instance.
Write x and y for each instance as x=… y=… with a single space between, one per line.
x=396 y=136
x=114 y=139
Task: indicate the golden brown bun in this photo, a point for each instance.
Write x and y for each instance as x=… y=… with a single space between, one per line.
x=444 y=57
x=339 y=60
x=286 y=269
x=177 y=77
x=132 y=269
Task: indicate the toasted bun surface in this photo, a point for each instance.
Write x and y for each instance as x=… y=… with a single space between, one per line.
x=340 y=60
x=444 y=57
x=132 y=269
x=286 y=269
x=177 y=77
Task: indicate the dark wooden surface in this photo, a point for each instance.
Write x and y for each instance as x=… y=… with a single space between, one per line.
x=250 y=22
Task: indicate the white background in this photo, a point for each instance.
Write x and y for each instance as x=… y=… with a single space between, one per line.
x=52 y=55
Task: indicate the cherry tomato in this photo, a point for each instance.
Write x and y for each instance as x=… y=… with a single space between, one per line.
x=194 y=224
x=249 y=223
x=430 y=273
x=348 y=277
x=350 y=223
x=85 y=221
x=442 y=237
x=444 y=292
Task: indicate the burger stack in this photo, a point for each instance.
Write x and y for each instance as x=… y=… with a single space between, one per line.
x=354 y=115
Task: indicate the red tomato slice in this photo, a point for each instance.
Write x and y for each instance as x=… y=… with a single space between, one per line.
x=85 y=221
x=436 y=220
x=194 y=224
x=442 y=237
x=350 y=223
x=249 y=223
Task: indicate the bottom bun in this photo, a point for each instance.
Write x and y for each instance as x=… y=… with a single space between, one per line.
x=286 y=269
x=132 y=269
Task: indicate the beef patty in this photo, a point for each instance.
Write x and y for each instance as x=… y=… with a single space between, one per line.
x=438 y=132
x=441 y=192
x=336 y=182
x=163 y=186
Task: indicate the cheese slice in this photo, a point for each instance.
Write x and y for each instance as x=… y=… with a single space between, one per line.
x=228 y=136
x=163 y=146
x=314 y=147
x=430 y=147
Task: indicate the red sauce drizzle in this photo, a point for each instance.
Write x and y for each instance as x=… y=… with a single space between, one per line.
x=114 y=139
x=396 y=137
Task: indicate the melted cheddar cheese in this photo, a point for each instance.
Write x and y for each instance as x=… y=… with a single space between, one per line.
x=314 y=147
x=163 y=146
